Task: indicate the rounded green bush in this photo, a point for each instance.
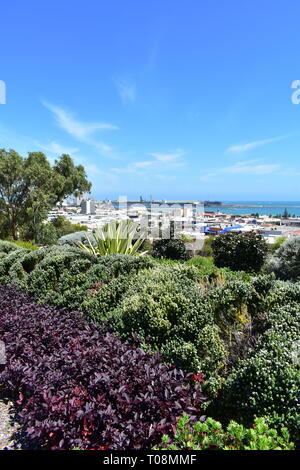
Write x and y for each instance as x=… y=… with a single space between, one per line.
x=240 y=251
x=286 y=260
x=268 y=383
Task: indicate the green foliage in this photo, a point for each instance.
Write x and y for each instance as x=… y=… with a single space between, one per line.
x=30 y=187
x=210 y=435
x=240 y=251
x=186 y=238
x=66 y=276
x=206 y=250
x=286 y=260
x=7 y=247
x=59 y=228
x=170 y=248
x=70 y=179
x=60 y=275
x=28 y=245
x=120 y=237
x=277 y=244
x=8 y=261
x=64 y=227
x=199 y=326
x=47 y=235
x=146 y=247
x=167 y=308
x=281 y=294
x=204 y=265
x=268 y=382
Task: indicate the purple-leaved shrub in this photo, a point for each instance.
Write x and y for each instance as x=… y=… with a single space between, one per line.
x=79 y=386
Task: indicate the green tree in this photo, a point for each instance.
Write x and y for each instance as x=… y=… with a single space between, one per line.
x=47 y=235
x=71 y=179
x=170 y=248
x=30 y=187
x=286 y=214
x=285 y=262
x=65 y=227
x=240 y=251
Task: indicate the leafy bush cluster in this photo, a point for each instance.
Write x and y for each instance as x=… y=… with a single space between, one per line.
x=268 y=382
x=170 y=248
x=240 y=251
x=64 y=275
x=210 y=435
x=285 y=262
x=238 y=329
x=205 y=266
x=163 y=304
x=60 y=226
x=79 y=386
x=173 y=313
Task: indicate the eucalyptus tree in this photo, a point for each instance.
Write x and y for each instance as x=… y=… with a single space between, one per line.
x=31 y=186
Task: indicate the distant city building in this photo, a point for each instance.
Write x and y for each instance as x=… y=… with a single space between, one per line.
x=88 y=206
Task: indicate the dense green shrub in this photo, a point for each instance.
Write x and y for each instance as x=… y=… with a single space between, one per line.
x=59 y=276
x=166 y=308
x=28 y=245
x=277 y=244
x=47 y=235
x=206 y=250
x=210 y=435
x=7 y=247
x=8 y=261
x=170 y=248
x=199 y=326
x=286 y=260
x=204 y=265
x=64 y=275
x=240 y=251
x=281 y=294
x=268 y=383
x=59 y=227
x=64 y=226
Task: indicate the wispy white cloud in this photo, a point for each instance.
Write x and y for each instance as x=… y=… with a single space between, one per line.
x=126 y=89
x=80 y=130
x=240 y=148
x=93 y=169
x=160 y=162
x=143 y=164
x=249 y=167
x=208 y=177
x=57 y=149
x=168 y=157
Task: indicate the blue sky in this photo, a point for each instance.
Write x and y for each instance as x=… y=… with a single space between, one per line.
x=169 y=98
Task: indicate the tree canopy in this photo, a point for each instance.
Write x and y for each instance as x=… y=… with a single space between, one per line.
x=30 y=187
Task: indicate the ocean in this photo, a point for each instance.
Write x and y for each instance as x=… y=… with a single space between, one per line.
x=260 y=207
